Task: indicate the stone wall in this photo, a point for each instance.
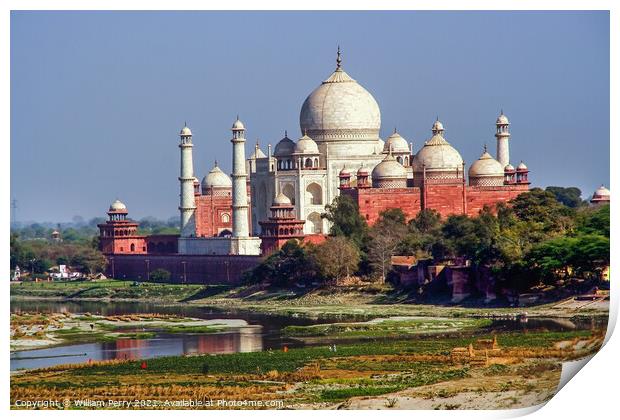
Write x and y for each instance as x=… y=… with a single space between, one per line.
x=478 y=197
x=213 y=214
x=372 y=201
x=446 y=198
x=196 y=269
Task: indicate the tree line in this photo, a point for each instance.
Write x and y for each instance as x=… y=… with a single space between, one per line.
x=540 y=237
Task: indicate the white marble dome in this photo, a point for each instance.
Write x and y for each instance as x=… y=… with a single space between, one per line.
x=397 y=143
x=185 y=131
x=216 y=178
x=118 y=205
x=521 y=167
x=305 y=145
x=602 y=192
x=437 y=155
x=238 y=125
x=502 y=119
x=486 y=166
x=389 y=168
x=486 y=171
x=340 y=109
x=281 y=200
x=509 y=168
x=285 y=147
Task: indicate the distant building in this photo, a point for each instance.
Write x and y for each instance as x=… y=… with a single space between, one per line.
x=601 y=196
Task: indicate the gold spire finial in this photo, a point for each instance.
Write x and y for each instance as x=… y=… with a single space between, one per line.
x=338 y=59
x=485 y=147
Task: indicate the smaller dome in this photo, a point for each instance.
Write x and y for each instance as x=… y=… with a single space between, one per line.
x=285 y=147
x=305 y=145
x=509 y=168
x=502 y=119
x=437 y=126
x=238 y=125
x=602 y=192
x=363 y=171
x=185 y=131
x=281 y=200
x=216 y=178
x=118 y=205
x=344 y=172
x=389 y=168
x=397 y=143
x=521 y=167
x=486 y=166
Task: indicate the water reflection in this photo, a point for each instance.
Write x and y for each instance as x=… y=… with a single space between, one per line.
x=243 y=340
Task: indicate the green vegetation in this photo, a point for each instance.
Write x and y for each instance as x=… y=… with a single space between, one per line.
x=293 y=359
x=160 y=275
x=536 y=240
x=38 y=256
x=385 y=328
x=110 y=289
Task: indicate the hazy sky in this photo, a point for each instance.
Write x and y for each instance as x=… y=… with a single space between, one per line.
x=98 y=98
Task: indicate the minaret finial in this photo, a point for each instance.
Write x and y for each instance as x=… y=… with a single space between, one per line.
x=394 y=129
x=285 y=133
x=485 y=147
x=305 y=131
x=501 y=111
x=237 y=117
x=185 y=123
x=338 y=59
x=215 y=163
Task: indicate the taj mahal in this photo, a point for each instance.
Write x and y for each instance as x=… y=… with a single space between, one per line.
x=228 y=223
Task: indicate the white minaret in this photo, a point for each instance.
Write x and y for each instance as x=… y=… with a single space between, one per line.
x=239 y=187
x=188 y=203
x=503 y=137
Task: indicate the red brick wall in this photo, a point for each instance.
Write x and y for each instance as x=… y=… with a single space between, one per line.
x=198 y=269
x=447 y=199
x=478 y=197
x=122 y=245
x=209 y=212
x=372 y=201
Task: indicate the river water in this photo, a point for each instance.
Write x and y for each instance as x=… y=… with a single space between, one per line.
x=263 y=332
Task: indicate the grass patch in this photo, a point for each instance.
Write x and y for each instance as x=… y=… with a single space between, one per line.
x=385 y=328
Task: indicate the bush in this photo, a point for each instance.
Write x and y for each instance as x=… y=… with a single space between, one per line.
x=160 y=275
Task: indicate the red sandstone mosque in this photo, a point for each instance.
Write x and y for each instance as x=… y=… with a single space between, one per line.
x=228 y=225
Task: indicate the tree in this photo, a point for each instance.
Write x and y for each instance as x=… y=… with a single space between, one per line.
x=160 y=275
x=346 y=220
x=426 y=221
x=385 y=237
x=542 y=207
x=287 y=266
x=570 y=196
x=594 y=220
x=89 y=260
x=336 y=258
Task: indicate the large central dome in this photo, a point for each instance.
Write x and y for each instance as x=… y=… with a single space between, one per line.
x=340 y=109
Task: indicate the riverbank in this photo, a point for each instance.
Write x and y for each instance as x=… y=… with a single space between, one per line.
x=364 y=302
x=35 y=331
x=517 y=368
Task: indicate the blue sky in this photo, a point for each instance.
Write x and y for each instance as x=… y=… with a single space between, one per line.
x=97 y=98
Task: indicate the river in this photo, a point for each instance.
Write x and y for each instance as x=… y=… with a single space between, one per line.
x=266 y=333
